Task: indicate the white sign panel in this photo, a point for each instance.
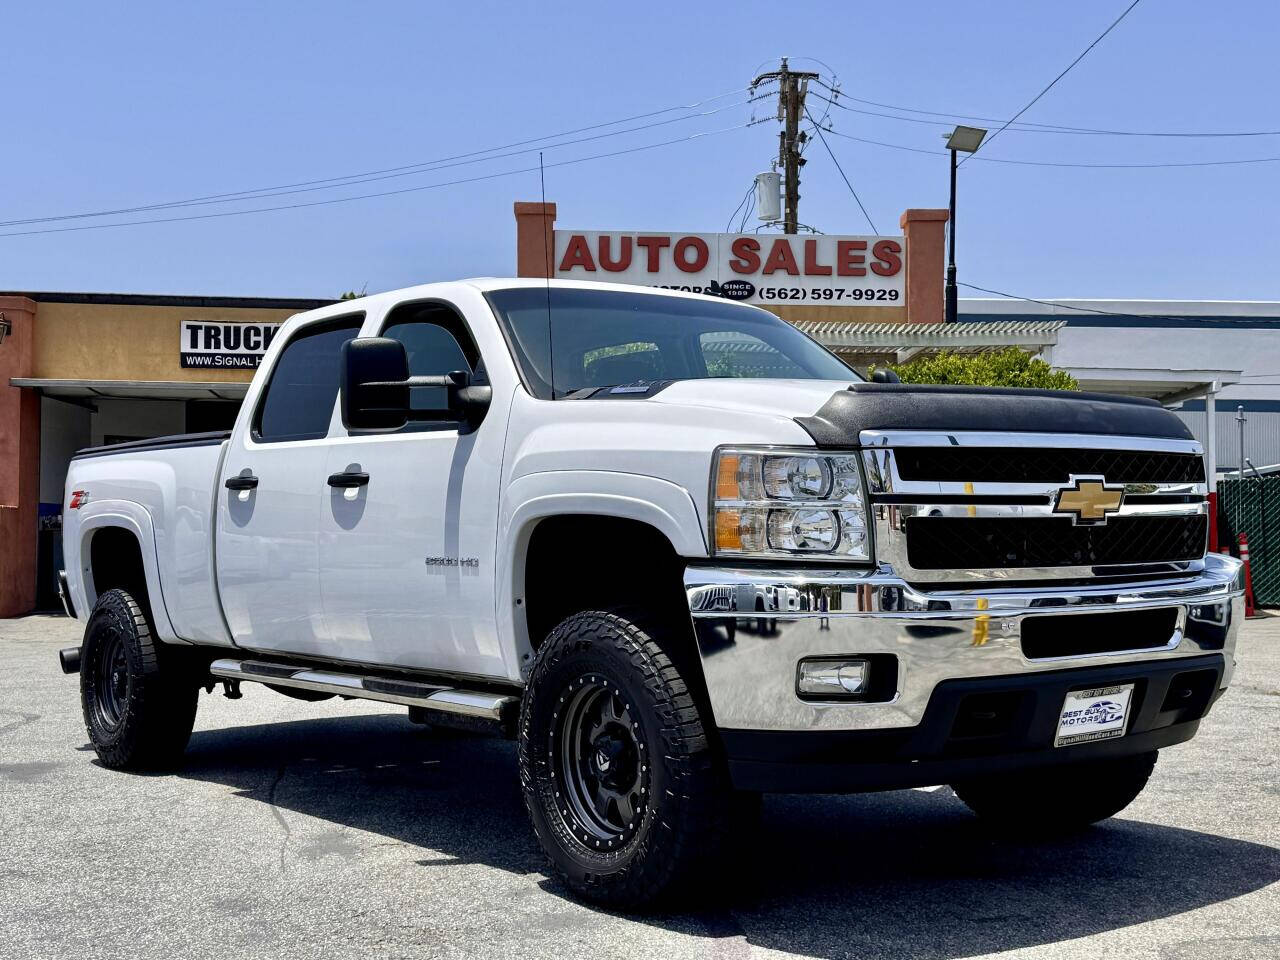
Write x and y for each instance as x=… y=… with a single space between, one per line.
x=756 y=268
x=225 y=346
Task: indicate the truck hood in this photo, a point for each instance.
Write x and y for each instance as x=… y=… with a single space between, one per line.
x=945 y=408
x=834 y=413
x=789 y=399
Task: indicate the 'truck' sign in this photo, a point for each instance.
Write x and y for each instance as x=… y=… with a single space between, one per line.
x=223 y=346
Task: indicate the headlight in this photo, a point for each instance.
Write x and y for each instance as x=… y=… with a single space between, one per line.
x=780 y=503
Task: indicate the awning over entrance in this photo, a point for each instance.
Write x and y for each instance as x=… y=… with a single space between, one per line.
x=134 y=389
x=878 y=344
x=1168 y=386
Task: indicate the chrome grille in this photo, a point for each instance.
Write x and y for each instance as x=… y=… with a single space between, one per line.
x=1048 y=465
x=1003 y=543
x=973 y=506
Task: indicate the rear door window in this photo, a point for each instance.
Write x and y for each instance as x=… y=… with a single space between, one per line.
x=298 y=401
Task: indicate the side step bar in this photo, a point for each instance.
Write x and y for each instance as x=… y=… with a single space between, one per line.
x=474 y=705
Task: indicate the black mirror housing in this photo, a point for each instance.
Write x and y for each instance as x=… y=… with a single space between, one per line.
x=884 y=375
x=375 y=388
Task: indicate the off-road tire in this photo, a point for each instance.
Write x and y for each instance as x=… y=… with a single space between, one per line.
x=682 y=802
x=144 y=721
x=1058 y=799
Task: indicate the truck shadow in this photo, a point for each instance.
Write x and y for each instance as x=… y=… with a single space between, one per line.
x=902 y=875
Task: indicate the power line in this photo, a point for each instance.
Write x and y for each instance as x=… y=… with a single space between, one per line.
x=1067 y=306
x=1022 y=125
x=831 y=154
x=383 y=193
x=1032 y=102
x=746 y=214
x=741 y=203
x=426 y=166
x=1134 y=166
x=1055 y=163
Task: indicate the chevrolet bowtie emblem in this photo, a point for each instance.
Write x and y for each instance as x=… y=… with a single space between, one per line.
x=1089 y=500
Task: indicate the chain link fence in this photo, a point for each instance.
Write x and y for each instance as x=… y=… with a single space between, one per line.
x=1252 y=507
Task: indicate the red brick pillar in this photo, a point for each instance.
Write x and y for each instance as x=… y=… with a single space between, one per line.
x=535 y=239
x=926 y=233
x=19 y=461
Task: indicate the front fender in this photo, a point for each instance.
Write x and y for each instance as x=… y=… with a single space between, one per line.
x=661 y=504
x=127 y=516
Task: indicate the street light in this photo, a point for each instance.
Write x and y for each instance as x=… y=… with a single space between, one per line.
x=967 y=140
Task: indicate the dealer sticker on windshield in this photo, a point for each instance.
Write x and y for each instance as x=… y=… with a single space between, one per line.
x=1097 y=714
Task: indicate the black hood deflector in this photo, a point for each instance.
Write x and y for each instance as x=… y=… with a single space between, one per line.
x=909 y=406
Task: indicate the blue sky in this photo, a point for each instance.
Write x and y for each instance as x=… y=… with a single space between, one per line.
x=117 y=105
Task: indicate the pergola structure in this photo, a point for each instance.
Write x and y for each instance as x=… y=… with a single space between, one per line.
x=869 y=344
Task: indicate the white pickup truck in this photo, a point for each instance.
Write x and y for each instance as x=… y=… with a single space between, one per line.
x=676 y=549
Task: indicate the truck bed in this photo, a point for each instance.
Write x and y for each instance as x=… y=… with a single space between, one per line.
x=163 y=490
x=156 y=443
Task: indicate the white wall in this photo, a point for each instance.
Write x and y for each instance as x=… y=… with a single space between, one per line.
x=64 y=429
x=1230 y=335
x=1261 y=435
x=1254 y=351
x=138 y=418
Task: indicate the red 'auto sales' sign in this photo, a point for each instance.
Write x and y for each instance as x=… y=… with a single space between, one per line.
x=757 y=268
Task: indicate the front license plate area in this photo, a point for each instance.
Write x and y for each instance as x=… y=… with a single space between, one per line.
x=1098 y=713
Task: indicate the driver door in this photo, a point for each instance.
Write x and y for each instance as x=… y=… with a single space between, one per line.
x=408 y=533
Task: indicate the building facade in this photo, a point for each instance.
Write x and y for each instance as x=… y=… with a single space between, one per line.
x=1210 y=361
x=81 y=370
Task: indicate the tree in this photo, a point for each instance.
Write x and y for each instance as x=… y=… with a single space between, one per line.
x=1008 y=368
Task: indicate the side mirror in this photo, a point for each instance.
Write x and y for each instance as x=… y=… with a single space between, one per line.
x=375 y=388
x=376 y=384
x=884 y=375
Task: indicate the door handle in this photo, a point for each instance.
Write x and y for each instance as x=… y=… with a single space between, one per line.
x=245 y=481
x=349 y=478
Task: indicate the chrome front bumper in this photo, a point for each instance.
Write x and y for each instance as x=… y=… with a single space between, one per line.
x=754 y=626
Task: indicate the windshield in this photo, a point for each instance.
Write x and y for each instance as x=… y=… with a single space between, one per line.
x=605 y=338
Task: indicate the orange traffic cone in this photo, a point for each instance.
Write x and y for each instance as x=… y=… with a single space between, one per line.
x=1248 y=576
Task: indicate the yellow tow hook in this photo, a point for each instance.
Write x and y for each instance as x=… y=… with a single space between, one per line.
x=981 y=624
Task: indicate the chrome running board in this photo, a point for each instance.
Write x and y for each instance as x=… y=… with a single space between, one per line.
x=436 y=698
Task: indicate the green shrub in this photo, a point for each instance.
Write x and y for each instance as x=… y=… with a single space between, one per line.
x=1008 y=368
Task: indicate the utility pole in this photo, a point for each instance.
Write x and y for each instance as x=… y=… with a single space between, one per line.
x=793 y=85
x=952 y=303
x=1241 y=419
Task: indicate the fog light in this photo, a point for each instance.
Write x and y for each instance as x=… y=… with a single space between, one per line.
x=831 y=678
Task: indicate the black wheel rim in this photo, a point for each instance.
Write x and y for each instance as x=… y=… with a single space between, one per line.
x=112 y=679
x=599 y=762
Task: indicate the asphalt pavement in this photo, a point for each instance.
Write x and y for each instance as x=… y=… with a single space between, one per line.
x=338 y=829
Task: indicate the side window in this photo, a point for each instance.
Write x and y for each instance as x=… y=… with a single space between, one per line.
x=436 y=342
x=299 y=398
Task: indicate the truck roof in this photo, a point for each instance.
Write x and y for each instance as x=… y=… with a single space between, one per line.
x=449 y=288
